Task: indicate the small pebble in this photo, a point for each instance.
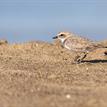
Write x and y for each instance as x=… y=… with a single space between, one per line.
x=68 y=96
x=87 y=68
x=37 y=44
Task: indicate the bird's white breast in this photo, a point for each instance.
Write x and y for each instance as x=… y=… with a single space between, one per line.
x=62 y=40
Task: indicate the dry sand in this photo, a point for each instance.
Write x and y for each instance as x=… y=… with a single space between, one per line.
x=39 y=74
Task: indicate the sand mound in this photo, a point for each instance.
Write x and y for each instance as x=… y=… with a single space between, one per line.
x=39 y=74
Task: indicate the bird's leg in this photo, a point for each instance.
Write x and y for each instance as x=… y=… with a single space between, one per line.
x=80 y=58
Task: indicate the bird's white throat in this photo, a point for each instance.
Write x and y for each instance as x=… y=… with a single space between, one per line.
x=62 y=39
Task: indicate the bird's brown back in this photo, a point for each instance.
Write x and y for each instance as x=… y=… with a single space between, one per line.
x=77 y=43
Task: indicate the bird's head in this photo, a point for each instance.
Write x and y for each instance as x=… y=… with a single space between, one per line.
x=62 y=36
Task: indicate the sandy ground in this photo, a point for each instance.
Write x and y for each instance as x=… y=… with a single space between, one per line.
x=38 y=74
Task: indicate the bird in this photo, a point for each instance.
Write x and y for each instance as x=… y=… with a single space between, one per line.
x=77 y=43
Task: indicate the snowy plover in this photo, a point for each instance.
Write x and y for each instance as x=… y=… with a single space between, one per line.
x=76 y=43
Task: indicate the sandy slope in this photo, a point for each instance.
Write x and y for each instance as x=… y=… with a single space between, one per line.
x=38 y=74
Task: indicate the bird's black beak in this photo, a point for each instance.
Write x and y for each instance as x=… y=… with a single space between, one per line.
x=55 y=37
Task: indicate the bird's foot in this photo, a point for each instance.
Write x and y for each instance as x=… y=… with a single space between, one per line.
x=77 y=60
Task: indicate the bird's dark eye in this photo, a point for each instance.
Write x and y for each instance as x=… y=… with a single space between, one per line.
x=62 y=35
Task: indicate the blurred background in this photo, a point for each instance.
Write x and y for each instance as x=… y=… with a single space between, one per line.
x=25 y=20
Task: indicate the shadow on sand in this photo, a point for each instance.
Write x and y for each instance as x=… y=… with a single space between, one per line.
x=95 y=61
